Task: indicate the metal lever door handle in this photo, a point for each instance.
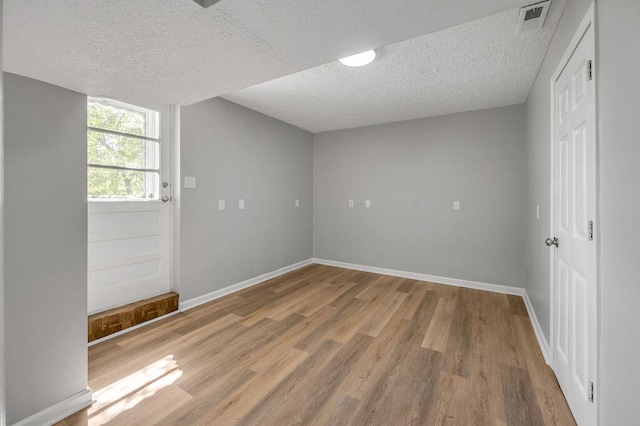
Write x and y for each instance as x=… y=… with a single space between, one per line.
x=165 y=199
x=551 y=242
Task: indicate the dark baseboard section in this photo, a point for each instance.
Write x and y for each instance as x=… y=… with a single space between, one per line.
x=108 y=322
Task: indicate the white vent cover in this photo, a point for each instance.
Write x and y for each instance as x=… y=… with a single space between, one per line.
x=532 y=16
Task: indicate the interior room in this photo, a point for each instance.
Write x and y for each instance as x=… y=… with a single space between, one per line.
x=299 y=212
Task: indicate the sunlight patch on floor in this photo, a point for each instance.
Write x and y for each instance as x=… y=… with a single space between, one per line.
x=128 y=392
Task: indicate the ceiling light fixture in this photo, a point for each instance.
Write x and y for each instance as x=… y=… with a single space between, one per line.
x=206 y=3
x=359 y=60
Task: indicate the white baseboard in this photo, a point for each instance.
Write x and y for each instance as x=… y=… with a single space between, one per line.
x=197 y=301
x=542 y=340
x=424 y=277
x=59 y=411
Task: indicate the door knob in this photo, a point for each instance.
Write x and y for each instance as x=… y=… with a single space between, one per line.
x=165 y=199
x=551 y=242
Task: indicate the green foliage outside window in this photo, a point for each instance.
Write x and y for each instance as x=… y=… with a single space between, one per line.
x=111 y=150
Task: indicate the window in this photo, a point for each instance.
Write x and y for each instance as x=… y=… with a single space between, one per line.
x=123 y=151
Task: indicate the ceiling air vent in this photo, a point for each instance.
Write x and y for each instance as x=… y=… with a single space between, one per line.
x=206 y=3
x=532 y=17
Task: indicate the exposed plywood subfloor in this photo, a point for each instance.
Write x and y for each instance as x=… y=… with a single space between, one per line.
x=324 y=345
x=114 y=320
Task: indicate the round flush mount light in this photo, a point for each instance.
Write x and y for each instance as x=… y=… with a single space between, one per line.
x=359 y=60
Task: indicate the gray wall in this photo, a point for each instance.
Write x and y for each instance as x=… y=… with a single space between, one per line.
x=412 y=171
x=45 y=245
x=619 y=92
x=238 y=153
x=538 y=156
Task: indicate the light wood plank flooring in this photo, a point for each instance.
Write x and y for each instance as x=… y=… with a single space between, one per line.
x=330 y=346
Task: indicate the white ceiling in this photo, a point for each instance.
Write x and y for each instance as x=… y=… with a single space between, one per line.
x=174 y=51
x=475 y=65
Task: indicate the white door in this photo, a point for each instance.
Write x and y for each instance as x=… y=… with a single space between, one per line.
x=575 y=261
x=129 y=224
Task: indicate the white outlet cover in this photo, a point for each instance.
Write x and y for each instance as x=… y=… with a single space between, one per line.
x=221 y=205
x=456 y=205
x=367 y=203
x=241 y=204
x=351 y=203
x=297 y=203
x=189 y=182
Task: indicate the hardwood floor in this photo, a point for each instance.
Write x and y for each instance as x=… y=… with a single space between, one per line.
x=330 y=346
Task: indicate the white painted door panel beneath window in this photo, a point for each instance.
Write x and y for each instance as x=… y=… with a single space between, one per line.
x=575 y=311
x=129 y=252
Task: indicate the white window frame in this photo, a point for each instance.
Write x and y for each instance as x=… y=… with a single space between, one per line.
x=152 y=188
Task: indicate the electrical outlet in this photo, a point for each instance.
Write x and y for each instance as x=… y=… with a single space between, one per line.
x=240 y=204
x=367 y=203
x=189 y=182
x=456 y=205
x=221 y=205
x=350 y=203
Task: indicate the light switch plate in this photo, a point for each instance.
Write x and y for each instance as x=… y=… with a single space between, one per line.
x=189 y=182
x=297 y=203
x=367 y=203
x=221 y=205
x=240 y=204
x=350 y=203
x=456 y=205
x=537 y=212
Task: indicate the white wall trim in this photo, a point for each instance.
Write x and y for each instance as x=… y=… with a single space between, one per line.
x=197 y=301
x=424 y=277
x=59 y=411
x=542 y=340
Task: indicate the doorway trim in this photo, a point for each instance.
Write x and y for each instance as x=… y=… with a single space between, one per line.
x=589 y=20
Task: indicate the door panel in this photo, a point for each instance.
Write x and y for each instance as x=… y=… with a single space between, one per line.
x=581 y=195
x=563 y=186
x=130 y=241
x=129 y=252
x=563 y=311
x=118 y=218
x=581 y=342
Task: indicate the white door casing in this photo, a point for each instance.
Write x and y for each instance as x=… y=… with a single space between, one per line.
x=130 y=242
x=574 y=261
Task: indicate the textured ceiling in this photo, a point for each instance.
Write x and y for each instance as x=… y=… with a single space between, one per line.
x=475 y=65
x=174 y=51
